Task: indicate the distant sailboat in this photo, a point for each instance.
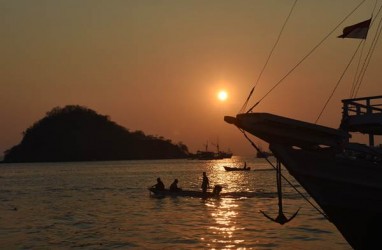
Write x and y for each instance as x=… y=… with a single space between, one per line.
x=211 y=155
x=221 y=154
x=262 y=154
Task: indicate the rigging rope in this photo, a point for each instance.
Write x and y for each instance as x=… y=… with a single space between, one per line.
x=361 y=73
x=357 y=72
x=269 y=57
x=306 y=56
x=290 y=183
x=367 y=60
x=339 y=81
x=369 y=55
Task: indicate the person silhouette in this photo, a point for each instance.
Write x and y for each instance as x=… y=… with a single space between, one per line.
x=205 y=182
x=245 y=165
x=159 y=185
x=174 y=186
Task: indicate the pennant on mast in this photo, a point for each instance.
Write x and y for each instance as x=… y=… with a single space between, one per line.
x=358 y=31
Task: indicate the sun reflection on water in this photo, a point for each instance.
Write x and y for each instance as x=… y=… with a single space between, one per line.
x=224 y=213
x=232 y=181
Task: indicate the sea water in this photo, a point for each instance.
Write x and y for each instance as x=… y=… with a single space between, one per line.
x=106 y=205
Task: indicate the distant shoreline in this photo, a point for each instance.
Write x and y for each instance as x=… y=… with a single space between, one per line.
x=75 y=134
x=3 y=162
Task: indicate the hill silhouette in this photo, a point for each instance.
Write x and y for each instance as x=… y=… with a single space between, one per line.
x=76 y=133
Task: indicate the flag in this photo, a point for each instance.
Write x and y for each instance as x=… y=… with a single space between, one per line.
x=358 y=30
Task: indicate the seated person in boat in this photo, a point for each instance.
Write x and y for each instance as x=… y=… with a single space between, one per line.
x=217 y=189
x=174 y=186
x=159 y=185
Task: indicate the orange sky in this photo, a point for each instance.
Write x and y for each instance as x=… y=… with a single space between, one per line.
x=157 y=66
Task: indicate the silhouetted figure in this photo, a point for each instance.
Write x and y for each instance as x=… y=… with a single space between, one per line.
x=174 y=186
x=205 y=182
x=217 y=189
x=245 y=165
x=159 y=185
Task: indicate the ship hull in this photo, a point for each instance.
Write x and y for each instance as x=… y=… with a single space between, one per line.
x=348 y=190
x=345 y=183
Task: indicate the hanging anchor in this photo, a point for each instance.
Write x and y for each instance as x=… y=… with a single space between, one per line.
x=281 y=218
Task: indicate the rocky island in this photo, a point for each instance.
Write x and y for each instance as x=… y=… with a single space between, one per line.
x=76 y=133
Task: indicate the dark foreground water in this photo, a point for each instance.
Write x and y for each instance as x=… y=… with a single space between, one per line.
x=106 y=205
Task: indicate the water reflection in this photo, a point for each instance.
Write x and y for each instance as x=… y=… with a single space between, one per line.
x=224 y=213
x=242 y=181
x=225 y=230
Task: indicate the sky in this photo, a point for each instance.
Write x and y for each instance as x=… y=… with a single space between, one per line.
x=158 y=65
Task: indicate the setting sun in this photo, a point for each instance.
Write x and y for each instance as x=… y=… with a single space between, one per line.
x=222 y=95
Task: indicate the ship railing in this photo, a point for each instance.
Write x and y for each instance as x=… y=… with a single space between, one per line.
x=363 y=115
x=362 y=106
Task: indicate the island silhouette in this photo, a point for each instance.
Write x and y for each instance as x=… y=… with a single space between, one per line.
x=77 y=133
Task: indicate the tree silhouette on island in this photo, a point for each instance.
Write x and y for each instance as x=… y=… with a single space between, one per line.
x=76 y=133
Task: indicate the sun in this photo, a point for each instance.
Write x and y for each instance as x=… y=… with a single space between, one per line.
x=222 y=95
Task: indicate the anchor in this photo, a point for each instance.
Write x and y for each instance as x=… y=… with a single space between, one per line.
x=281 y=218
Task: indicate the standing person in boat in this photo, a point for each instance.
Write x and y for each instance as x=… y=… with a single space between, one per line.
x=159 y=185
x=174 y=186
x=245 y=165
x=205 y=182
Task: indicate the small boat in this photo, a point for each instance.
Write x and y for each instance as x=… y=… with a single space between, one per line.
x=236 y=169
x=199 y=194
x=187 y=193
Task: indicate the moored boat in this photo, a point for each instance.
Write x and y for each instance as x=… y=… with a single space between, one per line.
x=211 y=155
x=343 y=177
